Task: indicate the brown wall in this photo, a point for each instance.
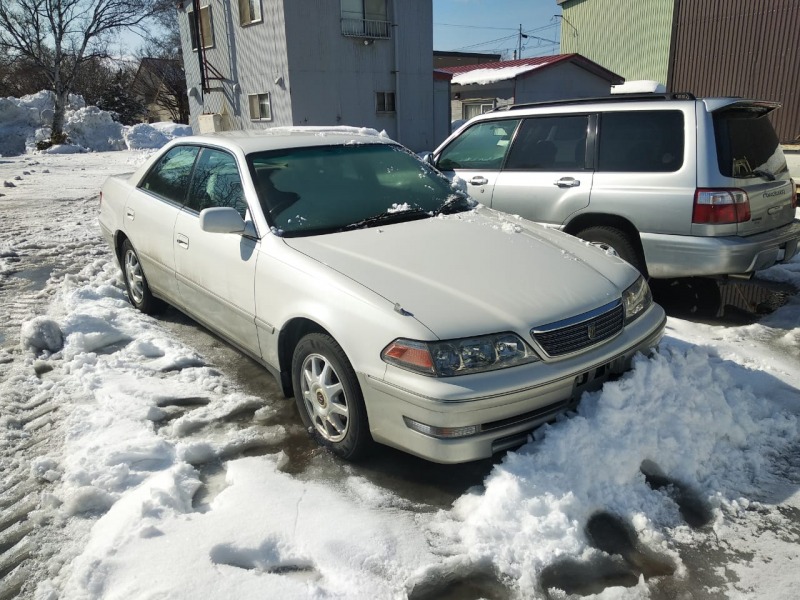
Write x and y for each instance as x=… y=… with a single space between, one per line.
x=748 y=48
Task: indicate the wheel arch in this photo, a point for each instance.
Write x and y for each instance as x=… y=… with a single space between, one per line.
x=586 y=220
x=291 y=333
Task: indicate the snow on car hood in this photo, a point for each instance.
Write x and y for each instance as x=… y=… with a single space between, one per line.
x=475 y=272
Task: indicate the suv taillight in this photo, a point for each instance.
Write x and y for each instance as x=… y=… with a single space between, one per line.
x=720 y=206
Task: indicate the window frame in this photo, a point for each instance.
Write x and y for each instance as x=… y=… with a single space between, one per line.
x=192 y=31
x=258 y=104
x=382 y=99
x=364 y=24
x=249 y=19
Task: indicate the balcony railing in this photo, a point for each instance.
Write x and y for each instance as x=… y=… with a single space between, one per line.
x=365 y=28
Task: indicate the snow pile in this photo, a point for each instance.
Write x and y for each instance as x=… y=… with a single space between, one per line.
x=27 y=120
x=491 y=75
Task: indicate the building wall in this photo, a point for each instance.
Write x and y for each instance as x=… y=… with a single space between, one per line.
x=742 y=48
x=314 y=74
x=630 y=38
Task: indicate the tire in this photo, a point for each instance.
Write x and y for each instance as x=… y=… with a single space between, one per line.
x=329 y=397
x=616 y=240
x=139 y=292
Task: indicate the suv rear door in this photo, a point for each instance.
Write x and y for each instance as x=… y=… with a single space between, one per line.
x=748 y=152
x=547 y=175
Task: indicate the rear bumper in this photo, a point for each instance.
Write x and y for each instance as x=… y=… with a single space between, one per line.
x=688 y=256
x=504 y=406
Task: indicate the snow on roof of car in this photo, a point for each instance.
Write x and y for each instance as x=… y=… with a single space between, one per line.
x=276 y=138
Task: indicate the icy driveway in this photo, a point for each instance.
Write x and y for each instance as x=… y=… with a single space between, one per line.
x=140 y=460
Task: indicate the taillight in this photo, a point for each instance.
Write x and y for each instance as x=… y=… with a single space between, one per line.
x=720 y=206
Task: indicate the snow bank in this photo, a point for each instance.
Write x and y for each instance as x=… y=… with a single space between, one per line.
x=26 y=121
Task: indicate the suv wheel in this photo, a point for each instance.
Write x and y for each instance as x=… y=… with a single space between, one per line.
x=611 y=238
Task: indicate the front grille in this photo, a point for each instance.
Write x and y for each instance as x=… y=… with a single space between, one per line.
x=581 y=332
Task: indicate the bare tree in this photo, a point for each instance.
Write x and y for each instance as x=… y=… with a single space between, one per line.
x=61 y=36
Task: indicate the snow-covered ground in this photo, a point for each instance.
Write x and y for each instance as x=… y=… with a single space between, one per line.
x=135 y=464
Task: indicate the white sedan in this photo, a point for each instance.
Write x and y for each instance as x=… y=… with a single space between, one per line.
x=393 y=308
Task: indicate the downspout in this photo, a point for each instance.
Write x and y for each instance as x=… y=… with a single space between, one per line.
x=398 y=102
x=200 y=44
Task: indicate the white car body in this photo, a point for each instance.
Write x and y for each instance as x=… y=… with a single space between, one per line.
x=442 y=277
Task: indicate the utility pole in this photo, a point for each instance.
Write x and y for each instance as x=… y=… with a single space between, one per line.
x=519 y=42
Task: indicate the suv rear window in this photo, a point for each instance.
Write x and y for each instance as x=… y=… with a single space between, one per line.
x=641 y=141
x=746 y=143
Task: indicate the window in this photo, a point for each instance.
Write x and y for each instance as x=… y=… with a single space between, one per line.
x=169 y=178
x=249 y=11
x=206 y=31
x=746 y=141
x=260 y=107
x=641 y=141
x=365 y=18
x=550 y=144
x=482 y=146
x=473 y=109
x=216 y=183
x=384 y=102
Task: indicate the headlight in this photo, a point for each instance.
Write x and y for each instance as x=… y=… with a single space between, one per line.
x=637 y=299
x=460 y=357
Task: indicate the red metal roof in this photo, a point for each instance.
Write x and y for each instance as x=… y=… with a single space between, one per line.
x=540 y=62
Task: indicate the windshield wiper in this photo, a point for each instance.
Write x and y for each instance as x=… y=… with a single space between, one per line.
x=454 y=204
x=397 y=216
x=765 y=174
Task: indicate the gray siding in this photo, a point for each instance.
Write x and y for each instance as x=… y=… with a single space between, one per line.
x=314 y=74
x=561 y=82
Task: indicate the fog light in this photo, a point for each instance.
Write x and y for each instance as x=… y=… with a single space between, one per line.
x=441 y=432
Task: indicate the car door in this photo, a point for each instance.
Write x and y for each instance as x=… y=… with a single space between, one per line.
x=477 y=156
x=216 y=271
x=150 y=214
x=546 y=176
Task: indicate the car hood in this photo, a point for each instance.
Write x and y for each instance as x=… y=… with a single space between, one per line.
x=475 y=272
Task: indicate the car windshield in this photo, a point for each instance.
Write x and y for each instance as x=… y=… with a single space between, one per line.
x=308 y=191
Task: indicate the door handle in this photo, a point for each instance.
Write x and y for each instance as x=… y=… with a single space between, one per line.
x=478 y=180
x=182 y=241
x=130 y=213
x=567 y=182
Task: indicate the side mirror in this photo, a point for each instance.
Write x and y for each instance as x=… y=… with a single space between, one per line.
x=221 y=220
x=427 y=158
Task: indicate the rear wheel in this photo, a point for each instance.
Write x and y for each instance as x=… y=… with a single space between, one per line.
x=328 y=396
x=135 y=282
x=611 y=238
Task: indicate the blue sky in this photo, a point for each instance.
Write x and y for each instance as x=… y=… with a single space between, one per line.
x=493 y=25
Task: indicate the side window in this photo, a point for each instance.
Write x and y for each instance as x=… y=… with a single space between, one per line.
x=169 y=178
x=482 y=146
x=206 y=30
x=641 y=141
x=216 y=183
x=550 y=144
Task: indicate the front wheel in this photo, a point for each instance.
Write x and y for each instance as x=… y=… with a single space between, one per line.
x=611 y=238
x=328 y=396
x=135 y=282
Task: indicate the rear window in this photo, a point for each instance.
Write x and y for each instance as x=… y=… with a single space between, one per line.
x=641 y=141
x=747 y=144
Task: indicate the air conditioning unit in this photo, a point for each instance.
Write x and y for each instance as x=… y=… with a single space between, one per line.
x=210 y=122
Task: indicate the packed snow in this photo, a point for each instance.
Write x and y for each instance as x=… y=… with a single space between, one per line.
x=26 y=121
x=696 y=447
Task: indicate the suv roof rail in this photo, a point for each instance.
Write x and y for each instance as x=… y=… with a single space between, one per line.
x=600 y=99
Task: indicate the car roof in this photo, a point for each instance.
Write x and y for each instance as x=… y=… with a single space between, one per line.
x=277 y=138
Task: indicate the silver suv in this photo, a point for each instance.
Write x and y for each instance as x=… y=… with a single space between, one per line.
x=677 y=186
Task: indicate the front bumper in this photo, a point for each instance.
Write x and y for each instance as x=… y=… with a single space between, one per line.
x=505 y=405
x=690 y=256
